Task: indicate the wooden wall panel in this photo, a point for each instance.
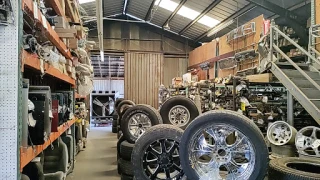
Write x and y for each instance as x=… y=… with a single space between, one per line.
x=317 y=15
x=203 y=53
x=174 y=67
x=226 y=72
x=143 y=76
x=242 y=43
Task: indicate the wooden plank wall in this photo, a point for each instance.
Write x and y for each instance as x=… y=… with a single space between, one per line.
x=203 y=53
x=174 y=67
x=143 y=76
x=242 y=44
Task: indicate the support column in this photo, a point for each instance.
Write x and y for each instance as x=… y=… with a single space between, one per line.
x=290 y=118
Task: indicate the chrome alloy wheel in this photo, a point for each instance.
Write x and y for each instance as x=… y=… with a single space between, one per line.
x=308 y=141
x=161 y=160
x=138 y=124
x=222 y=152
x=179 y=115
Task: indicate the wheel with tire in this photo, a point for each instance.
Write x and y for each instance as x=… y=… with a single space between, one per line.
x=122 y=104
x=123 y=110
x=137 y=120
x=126 y=150
x=223 y=144
x=118 y=101
x=114 y=129
x=179 y=111
x=126 y=167
x=125 y=177
x=156 y=154
x=293 y=168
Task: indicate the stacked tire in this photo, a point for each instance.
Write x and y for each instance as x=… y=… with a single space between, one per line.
x=133 y=121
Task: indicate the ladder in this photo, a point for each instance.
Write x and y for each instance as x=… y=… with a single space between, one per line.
x=302 y=80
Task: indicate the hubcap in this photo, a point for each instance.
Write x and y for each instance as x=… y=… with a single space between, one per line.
x=179 y=115
x=161 y=160
x=138 y=124
x=222 y=152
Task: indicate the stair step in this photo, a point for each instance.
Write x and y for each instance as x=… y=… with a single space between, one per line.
x=296 y=74
x=304 y=83
x=287 y=65
x=317 y=103
x=311 y=93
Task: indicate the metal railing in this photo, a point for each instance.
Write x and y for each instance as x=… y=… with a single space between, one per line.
x=275 y=31
x=314 y=35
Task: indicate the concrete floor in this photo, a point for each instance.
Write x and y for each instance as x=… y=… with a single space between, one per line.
x=99 y=160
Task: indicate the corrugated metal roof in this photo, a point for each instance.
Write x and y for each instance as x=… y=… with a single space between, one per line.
x=139 y=8
x=226 y=8
x=112 y=7
x=89 y=8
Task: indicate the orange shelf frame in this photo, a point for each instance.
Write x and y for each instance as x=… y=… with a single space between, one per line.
x=32 y=61
x=56 y=5
x=27 y=6
x=27 y=155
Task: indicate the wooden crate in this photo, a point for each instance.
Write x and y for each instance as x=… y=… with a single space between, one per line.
x=267 y=77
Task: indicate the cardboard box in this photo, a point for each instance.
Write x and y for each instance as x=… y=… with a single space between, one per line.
x=73 y=43
x=267 y=77
x=60 y=22
x=177 y=81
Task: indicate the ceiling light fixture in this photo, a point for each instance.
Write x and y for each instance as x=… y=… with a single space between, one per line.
x=220 y=27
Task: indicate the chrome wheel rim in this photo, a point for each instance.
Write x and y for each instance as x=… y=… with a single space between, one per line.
x=308 y=142
x=179 y=115
x=138 y=124
x=161 y=160
x=280 y=133
x=222 y=152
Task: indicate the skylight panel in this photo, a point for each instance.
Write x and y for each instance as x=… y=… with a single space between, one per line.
x=188 y=13
x=167 y=4
x=85 y=1
x=208 y=21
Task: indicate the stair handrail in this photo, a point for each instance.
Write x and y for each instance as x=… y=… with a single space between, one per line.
x=274 y=46
x=312 y=37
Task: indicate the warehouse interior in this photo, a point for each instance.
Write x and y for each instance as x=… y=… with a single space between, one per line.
x=160 y=89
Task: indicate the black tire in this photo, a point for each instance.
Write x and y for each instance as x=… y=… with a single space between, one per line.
x=153 y=135
x=179 y=101
x=149 y=111
x=118 y=101
x=114 y=129
x=119 y=133
x=118 y=164
x=293 y=168
x=228 y=118
x=124 y=110
x=126 y=167
x=122 y=103
x=125 y=177
x=126 y=150
x=115 y=116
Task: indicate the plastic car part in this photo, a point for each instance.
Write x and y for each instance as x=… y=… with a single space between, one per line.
x=156 y=154
x=223 y=145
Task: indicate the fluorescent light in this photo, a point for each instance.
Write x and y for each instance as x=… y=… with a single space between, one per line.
x=85 y=1
x=188 y=13
x=208 y=21
x=220 y=27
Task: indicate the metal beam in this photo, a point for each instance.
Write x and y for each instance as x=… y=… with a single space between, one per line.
x=182 y=2
x=150 y=10
x=204 y=12
x=294 y=20
x=125 y=6
x=233 y=16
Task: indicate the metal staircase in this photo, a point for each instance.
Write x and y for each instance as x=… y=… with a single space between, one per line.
x=301 y=79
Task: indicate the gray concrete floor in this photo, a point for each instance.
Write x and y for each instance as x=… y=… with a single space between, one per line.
x=99 y=160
